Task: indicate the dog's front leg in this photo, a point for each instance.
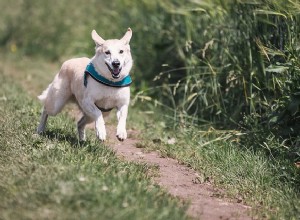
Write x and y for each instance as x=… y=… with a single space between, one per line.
x=122 y=116
x=93 y=112
x=100 y=128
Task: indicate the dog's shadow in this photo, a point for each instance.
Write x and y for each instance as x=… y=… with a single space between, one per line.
x=61 y=135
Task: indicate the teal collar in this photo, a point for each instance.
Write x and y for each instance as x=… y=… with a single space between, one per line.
x=90 y=70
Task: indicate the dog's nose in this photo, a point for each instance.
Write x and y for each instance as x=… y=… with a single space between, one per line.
x=116 y=63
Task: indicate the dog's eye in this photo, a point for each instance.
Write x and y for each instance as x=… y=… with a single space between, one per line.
x=121 y=51
x=107 y=52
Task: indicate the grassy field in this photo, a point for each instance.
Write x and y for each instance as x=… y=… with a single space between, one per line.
x=53 y=177
x=221 y=77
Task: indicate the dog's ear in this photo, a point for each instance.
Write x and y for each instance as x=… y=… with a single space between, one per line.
x=126 y=38
x=98 y=40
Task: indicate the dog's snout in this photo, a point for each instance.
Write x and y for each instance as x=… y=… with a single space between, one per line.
x=116 y=63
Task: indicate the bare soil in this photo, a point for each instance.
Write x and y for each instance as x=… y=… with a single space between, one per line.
x=180 y=181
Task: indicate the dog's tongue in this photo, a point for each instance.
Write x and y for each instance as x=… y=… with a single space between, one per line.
x=116 y=71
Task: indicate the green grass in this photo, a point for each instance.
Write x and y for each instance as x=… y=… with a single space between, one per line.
x=269 y=184
x=53 y=177
x=227 y=64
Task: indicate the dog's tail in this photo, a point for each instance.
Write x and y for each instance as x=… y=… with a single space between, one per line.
x=44 y=94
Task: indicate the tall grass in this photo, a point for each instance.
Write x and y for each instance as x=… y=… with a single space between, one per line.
x=238 y=56
x=226 y=64
x=238 y=66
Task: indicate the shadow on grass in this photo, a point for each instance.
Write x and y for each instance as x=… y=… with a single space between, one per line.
x=62 y=135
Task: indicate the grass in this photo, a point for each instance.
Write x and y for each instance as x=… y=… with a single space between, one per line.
x=269 y=184
x=54 y=177
x=52 y=164
x=225 y=64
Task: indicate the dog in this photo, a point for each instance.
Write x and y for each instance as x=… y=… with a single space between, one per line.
x=98 y=85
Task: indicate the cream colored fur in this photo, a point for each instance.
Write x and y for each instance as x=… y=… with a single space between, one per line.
x=68 y=83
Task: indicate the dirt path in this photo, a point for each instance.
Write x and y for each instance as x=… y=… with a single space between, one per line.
x=181 y=181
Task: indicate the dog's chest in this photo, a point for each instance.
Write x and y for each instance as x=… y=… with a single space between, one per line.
x=109 y=97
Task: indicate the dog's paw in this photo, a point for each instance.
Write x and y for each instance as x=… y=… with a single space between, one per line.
x=101 y=135
x=100 y=129
x=121 y=135
x=40 y=130
x=82 y=136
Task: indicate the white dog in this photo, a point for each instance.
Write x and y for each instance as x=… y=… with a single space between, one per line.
x=98 y=85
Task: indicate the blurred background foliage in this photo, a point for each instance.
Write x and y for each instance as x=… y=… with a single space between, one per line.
x=221 y=63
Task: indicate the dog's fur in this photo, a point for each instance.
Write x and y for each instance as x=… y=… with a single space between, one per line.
x=69 y=82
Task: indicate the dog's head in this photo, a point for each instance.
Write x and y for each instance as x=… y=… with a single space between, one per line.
x=113 y=58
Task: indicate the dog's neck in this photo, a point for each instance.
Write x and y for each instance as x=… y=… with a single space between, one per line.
x=91 y=71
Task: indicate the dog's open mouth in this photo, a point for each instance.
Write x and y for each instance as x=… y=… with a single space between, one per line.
x=115 y=72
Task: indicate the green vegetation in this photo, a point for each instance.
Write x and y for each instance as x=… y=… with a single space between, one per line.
x=53 y=177
x=225 y=74
x=269 y=185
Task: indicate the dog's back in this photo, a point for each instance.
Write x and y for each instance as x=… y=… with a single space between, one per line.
x=60 y=90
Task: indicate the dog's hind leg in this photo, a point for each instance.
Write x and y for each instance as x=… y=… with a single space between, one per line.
x=57 y=96
x=81 y=126
x=54 y=98
x=42 y=126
